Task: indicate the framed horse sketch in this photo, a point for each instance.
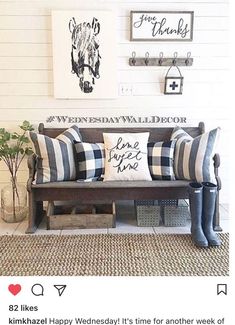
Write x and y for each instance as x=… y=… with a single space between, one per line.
x=84 y=54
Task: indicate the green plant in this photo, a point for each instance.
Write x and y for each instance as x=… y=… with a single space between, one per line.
x=13 y=149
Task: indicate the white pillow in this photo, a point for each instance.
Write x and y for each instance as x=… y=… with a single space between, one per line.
x=126 y=156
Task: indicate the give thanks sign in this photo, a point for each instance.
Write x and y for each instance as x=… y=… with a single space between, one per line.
x=161 y=25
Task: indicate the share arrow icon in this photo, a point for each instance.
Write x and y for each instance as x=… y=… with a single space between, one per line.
x=60 y=288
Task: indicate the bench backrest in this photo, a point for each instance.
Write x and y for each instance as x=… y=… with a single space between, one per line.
x=96 y=134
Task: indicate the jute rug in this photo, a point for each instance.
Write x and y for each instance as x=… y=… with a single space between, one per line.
x=109 y=254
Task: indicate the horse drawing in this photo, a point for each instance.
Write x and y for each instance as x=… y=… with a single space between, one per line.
x=85 y=56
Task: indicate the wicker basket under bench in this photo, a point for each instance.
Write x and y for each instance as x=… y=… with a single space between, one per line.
x=112 y=190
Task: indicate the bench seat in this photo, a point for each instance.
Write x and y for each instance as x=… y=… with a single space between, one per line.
x=113 y=184
x=110 y=190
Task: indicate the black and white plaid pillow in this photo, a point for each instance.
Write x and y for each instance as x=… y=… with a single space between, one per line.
x=89 y=159
x=160 y=159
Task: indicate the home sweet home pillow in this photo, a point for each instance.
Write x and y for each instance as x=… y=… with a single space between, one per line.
x=126 y=156
x=193 y=159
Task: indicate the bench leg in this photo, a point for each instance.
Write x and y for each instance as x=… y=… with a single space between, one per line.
x=216 y=219
x=35 y=214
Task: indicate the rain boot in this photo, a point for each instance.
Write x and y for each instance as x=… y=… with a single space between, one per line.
x=209 y=199
x=195 y=204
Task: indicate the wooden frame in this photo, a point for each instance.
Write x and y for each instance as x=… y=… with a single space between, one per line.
x=159 y=30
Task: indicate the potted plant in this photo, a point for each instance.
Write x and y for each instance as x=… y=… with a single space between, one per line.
x=13 y=149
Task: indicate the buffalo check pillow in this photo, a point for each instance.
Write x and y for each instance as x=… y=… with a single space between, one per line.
x=193 y=159
x=90 y=159
x=160 y=160
x=55 y=157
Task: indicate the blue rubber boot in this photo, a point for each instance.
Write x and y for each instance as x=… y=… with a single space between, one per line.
x=195 y=204
x=209 y=199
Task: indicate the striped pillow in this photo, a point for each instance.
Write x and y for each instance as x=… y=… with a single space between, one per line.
x=55 y=156
x=90 y=160
x=160 y=159
x=193 y=158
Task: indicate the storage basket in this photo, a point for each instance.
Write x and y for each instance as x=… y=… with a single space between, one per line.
x=176 y=216
x=86 y=216
x=148 y=213
x=169 y=202
x=146 y=202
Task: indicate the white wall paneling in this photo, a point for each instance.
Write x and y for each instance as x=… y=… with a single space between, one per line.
x=26 y=76
x=44 y=23
x=44 y=36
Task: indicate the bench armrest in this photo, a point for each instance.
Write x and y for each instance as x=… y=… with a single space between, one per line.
x=216 y=159
x=32 y=160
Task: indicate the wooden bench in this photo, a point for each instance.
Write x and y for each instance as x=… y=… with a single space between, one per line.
x=112 y=190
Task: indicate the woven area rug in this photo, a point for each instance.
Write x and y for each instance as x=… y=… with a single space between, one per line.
x=111 y=254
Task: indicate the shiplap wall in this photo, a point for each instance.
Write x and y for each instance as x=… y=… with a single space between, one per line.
x=26 y=76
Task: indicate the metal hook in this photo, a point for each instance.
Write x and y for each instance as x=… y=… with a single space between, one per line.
x=160 y=58
x=147 y=58
x=175 y=56
x=133 y=57
x=187 y=60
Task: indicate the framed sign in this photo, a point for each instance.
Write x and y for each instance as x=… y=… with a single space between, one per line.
x=173 y=86
x=162 y=25
x=84 y=56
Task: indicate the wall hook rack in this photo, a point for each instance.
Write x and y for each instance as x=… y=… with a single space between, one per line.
x=161 y=60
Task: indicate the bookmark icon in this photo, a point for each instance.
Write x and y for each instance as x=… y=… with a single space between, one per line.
x=222 y=289
x=60 y=288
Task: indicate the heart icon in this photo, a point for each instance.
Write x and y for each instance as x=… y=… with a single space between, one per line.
x=14 y=289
